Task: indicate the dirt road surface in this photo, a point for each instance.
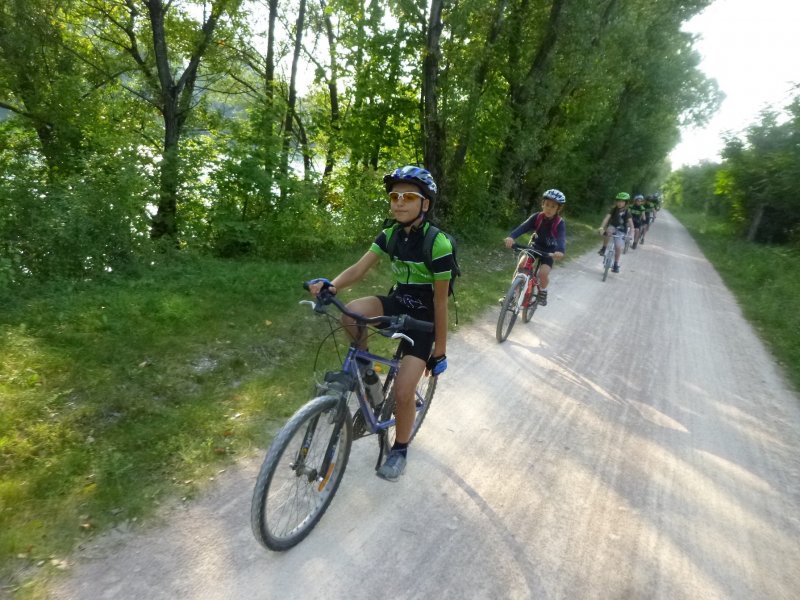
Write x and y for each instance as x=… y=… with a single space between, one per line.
x=635 y=440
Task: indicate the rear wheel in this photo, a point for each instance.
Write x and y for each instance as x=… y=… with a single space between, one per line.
x=424 y=396
x=510 y=308
x=292 y=492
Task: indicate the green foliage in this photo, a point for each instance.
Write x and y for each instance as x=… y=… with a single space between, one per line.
x=755 y=187
x=76 y=226
x=700 y=187
x=529 y=96
x=763 y=278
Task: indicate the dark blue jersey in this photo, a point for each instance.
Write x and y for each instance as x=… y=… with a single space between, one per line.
x=545 y=240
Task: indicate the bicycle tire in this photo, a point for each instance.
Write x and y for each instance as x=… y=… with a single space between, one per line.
x=530 y=304
x=287 y=504
x=607 y=261
x=426 y=388
x=627 y=245
x=508 y=311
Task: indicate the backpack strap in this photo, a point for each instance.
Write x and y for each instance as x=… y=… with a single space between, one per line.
x=556 y=223
x=427 y=245
x=538 y=221
x=391 y=243
x=540 y=218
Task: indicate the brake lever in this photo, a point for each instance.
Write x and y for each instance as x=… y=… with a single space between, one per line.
x=402 y=336
x=317 y=306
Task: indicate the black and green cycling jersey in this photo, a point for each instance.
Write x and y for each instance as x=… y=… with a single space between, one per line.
x=650 y=205
x=408 y=266
x=637 y=210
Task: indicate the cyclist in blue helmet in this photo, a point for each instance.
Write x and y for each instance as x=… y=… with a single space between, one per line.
x=419 y=291
x=549 y=236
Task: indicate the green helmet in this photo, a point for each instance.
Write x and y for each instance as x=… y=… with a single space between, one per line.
x=623 y=196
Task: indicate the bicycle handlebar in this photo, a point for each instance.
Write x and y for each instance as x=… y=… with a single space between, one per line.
x=396 y=323
x=530 y=250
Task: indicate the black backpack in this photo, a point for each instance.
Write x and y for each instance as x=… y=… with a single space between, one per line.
x=427 y=251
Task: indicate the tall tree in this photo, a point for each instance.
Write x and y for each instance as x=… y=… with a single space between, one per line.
x=41 y=81
x=433 y=131
x=292 y=97
x=168 y=90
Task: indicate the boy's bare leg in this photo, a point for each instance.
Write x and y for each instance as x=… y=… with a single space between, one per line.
x=369 y=307
x=405 y=386
x=544 y=276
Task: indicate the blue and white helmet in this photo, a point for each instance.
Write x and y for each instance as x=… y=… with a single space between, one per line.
x=417 y=176
x=555 y=195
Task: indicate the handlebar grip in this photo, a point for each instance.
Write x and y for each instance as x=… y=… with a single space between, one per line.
x=411 y=324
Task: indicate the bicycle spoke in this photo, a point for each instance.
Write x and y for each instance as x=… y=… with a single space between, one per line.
x=292 y=491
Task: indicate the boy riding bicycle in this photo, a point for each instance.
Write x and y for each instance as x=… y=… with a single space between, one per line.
x=638 y=215
x=617 y=223
x=419 y=292
x=550 y=236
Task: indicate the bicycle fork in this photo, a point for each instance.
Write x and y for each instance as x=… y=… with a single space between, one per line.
x=323 y=474
x=524 y=293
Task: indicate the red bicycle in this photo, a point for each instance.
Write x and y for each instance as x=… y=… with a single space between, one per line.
x=523 y=294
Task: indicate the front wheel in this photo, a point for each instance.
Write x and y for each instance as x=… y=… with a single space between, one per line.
x=510 y=308
x=530 y=304
x=627 y=245
x=607 y=260
x=292 y=492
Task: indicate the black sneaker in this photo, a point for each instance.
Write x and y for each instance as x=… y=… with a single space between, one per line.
x=602 y=251
x=615 y=269
x=541 y=297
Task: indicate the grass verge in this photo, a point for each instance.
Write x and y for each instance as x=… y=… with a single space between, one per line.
x=764 y=280
x=120 y=394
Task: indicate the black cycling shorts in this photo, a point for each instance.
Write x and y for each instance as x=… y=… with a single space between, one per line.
x=406 y=304
x=637 y=222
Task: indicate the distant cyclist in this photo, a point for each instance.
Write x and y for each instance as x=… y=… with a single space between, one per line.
x=419 y=291
x=651 y=205
x=550 y=236
x=638 y=215
x=617 y=224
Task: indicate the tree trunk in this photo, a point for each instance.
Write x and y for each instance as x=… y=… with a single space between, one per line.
x=303 y=139
x=164 y=222
x=432 y=129
x=269 y=91
x=510 y=167
x=473 y=101
x=333 y=94
x=174 y=99
x=290 y=107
